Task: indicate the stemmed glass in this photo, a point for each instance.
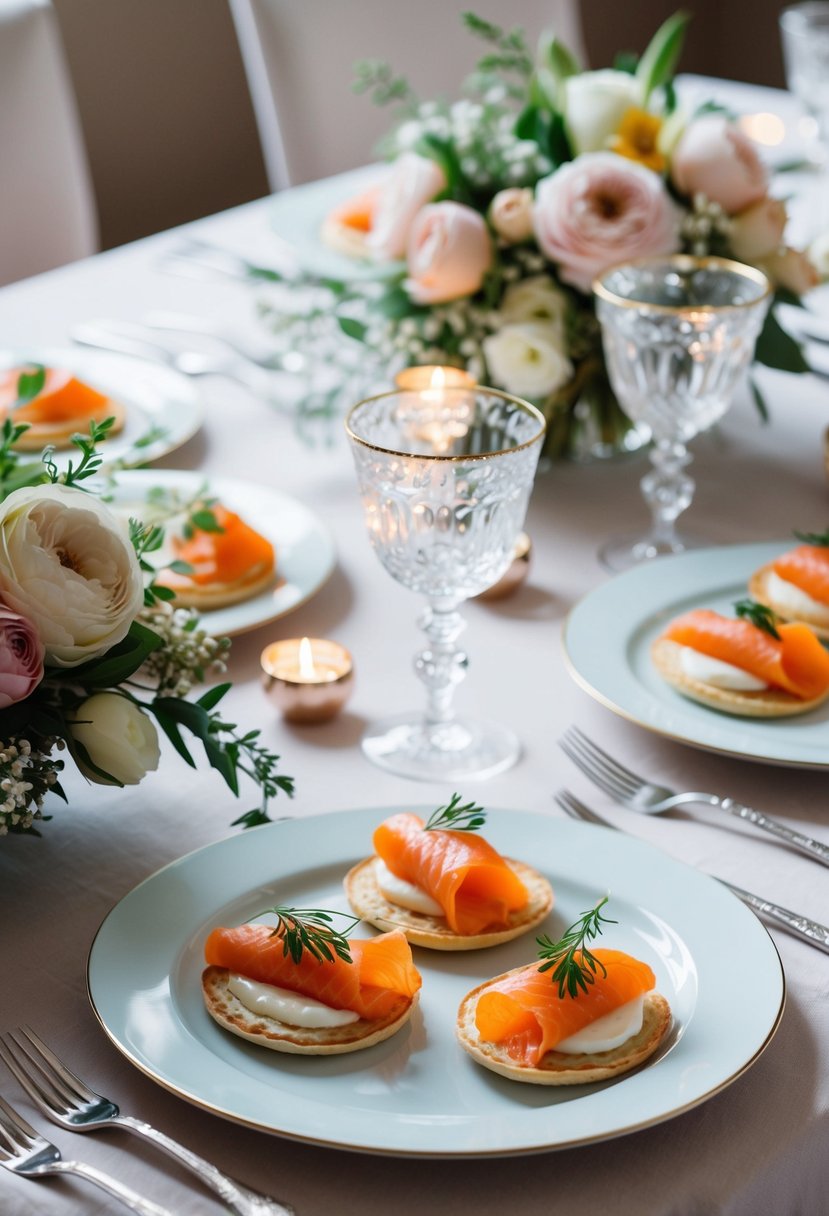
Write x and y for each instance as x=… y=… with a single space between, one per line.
x=804 y=30
x=678 y=333
x=445 y=476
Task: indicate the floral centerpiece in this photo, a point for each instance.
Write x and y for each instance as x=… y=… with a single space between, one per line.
x=94 y=657
x=498 y=211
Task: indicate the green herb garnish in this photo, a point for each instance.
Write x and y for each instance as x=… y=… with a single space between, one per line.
x=759 y=614
x=814 y=538
x=466 y=818
x=311 y=929
x=30 y=384
x=575 y=966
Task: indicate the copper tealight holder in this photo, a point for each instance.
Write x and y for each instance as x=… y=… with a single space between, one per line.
x=307 y=679
x=515 y=574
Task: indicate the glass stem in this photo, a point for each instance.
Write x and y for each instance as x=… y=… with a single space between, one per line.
x=441 y=664
x=667 y=491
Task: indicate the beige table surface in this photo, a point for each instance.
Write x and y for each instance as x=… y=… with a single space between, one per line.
x=759 y=1146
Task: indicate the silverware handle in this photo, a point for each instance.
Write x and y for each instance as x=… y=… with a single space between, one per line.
x=120 y=344
x=809 y=930
x=130 y=1198
x=238 y=1198
x=806 y=844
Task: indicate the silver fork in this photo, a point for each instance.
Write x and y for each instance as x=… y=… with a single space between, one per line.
x=67 y=1101
x=808 y=930
x=633 y=791
x=24 y=1151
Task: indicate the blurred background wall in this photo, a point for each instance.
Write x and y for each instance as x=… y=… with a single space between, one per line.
x=168 y=121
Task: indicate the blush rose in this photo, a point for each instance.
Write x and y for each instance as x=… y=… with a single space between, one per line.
x=21 y=658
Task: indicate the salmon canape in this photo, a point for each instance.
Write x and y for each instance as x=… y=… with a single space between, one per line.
x=796 y=584
x=228 y=562
x=346 y=228
x=750 y=665
x=305 y=988
x=595 y=1017
x=64 y=406
x=444 y=886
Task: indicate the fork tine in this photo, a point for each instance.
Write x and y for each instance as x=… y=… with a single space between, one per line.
x=18 y=1132
x=596 y=763
x=38 y=1086
x=74 y=1085
x=576 y=809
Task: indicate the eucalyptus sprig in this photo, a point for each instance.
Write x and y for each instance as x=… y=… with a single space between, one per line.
x=311 y=929
x=466 y=818
x=575 y=966
x=821 y=539
x=90 y=461
x=758 y=614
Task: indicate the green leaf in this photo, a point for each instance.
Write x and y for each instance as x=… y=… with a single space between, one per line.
x=560 y=60
x=759 y=400
x=626 y=61
x=173 y=733
x=782 y=295
x=526 y=122
x=353 y=328
x=223 y=763
x=186 y=713
x=444 y=154
x=213 y=696
x=396 y=303
x=29 y=384
x=778 y=349
x=658 y=63
x=120 y=661
x=206 y=521
x=558 y=145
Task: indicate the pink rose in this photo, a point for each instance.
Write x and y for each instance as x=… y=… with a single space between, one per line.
x=21 y=658
x=792 y=269
x=511 y=214
x=715 y=158
x=450 y=251
x=414 y=181
x=599 y=210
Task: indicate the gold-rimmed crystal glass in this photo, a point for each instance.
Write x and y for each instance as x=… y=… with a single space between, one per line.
x=678 y=334
x=445 y=477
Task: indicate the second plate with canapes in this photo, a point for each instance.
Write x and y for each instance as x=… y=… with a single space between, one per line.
x=608 y=640
x=418 y=1093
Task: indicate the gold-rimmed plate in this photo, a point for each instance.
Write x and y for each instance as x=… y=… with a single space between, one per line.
x=607 y=641
x=418 y=1093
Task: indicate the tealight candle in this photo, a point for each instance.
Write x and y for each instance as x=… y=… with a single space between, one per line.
x=516 y=572
x=436 y=412
x=431 y=376
x=308 y=679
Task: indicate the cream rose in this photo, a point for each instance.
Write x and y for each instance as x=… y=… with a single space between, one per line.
x=117 y=736
x=713 y=157
x=601 y=209
x=594 y=104
x=414 y=181
x=527 y=359
x=536 y=298
x=758 y=230
x=819 y=254
x=67 y=565
x=792 y=269
x=511 y=214
x=449 y=253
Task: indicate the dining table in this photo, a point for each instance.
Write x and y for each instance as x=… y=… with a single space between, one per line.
x=755 y=1146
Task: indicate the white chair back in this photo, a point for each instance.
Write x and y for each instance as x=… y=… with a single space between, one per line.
x=47 y=207
x=299 y=57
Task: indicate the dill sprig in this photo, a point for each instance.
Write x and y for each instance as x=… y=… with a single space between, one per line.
x=311 y=929
x=759 y=614
x=466 y=818
x=821 y=539
x=575 y=966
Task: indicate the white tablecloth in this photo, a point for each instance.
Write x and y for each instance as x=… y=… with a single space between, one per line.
x=757 y=1147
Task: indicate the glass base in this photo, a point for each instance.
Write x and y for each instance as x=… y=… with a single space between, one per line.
x=454 y=750
x=623 y=552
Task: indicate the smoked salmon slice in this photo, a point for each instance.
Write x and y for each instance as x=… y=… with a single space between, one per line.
x=63 y=398
x=524 y=1014
x=380 y=973
x=795 y=662
x=221 y=557
x=470 y=880
x=807 y=567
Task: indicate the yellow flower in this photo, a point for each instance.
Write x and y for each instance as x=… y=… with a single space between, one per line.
x=637 y=139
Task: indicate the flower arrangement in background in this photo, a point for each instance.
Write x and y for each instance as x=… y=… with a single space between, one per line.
x=93 y=655
x=498 y=210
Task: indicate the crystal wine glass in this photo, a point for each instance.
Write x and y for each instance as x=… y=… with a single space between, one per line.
x=804 y=30
x=445 y=476
x=678 y=333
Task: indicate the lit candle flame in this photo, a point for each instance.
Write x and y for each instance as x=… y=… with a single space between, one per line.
x=307 y=670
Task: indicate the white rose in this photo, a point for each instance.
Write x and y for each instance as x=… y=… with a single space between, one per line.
x=527 y=359
x=819 y=254
x=536 y=298
x=511 y=214
x=118 y=738
x=67 y=565
x=594 y=104
x=758 y=230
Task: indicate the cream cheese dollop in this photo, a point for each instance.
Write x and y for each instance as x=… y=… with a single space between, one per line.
x=718 y=674
x=793 y=600
x=605 y=1033
x=404 y=894
x=267 y=1000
